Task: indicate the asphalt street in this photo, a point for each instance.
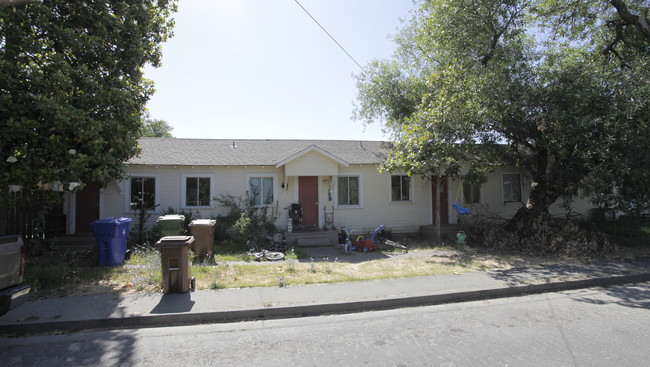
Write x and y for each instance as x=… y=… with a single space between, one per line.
x=588 y=327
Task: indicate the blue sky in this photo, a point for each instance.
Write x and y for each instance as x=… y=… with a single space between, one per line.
x=262 y=69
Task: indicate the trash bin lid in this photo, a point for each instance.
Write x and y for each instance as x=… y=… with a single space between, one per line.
x=203 y=222
x=174 y=217
x=174 y=241
x=112 y=220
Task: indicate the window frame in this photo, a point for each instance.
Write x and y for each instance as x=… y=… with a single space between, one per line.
x=261 y=176
x=359 y=189
x=471 y=187
x=128 y=187
x=503 y=190
x=411 y=198
x=184 y=178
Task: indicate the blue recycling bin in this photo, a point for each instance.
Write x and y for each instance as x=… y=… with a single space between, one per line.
x=111 y=240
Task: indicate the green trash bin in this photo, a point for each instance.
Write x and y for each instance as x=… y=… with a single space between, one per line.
x=171 y=225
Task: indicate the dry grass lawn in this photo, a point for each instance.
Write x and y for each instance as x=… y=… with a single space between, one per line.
x=142 y=272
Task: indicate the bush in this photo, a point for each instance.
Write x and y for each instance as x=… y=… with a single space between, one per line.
x=259 y=222
x=549 y=237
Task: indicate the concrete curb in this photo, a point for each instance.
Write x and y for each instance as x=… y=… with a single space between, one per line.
x=178 y=319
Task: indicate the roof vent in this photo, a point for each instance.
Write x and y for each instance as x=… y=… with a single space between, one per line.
x=234 y=146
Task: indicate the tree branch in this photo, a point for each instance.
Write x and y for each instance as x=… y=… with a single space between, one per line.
x=640 y=21
x=618 y=38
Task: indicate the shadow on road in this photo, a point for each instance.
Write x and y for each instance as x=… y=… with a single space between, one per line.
x=174 y=303
x=631 y=295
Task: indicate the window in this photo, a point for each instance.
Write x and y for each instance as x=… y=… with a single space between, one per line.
x=198 y=189
x=511 y=187
x=348 y=190
x=143 y=192
x=472 y=193
x=261 y=190
x=400 y=188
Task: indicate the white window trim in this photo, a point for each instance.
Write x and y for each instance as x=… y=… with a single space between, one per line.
x=275 y=186
x=127 y=191
x=521 y=188
x=411 y=189
x=184 y=190
x=336 y=191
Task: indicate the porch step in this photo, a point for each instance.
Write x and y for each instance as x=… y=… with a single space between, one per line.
x=313 y=242
x=312 y=238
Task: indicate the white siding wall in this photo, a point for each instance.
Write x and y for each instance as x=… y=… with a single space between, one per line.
x=377 y=209
x=492 y=197
x=111 y=199
x=227 y=180
x=376 y=206
x=312 y=164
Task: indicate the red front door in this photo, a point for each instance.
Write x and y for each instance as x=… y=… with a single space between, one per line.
x=444 y=202
x=308 y=198
x=87 y=207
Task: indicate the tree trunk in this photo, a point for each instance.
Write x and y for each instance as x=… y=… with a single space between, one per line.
x=540 y=200
x=437 y=209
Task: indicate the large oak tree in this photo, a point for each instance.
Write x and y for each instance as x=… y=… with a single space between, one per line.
x=559 y=88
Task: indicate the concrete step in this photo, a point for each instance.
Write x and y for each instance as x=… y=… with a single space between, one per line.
x=314 y=242
x=312 y=238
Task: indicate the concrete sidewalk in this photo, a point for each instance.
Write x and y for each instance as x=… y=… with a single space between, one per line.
x=109 y=311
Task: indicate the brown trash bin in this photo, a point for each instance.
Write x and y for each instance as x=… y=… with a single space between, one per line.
x=175 y=261
x=203 y=232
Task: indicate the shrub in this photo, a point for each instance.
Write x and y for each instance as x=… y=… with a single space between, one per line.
x=139 y=235
x=550 y=237
x=259 y=222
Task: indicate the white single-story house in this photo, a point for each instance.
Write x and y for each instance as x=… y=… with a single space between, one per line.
x=324 y=176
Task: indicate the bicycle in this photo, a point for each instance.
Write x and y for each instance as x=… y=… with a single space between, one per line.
x=277 y=243
x=259 y=254
x=383 y=240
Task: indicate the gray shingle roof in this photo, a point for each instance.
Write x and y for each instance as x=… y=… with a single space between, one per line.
x=220 y=152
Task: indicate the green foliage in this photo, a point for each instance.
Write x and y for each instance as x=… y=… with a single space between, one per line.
x=477 y=84
x=156 y=128
x=627 y=231
x=258 y=222
x=139 y=234
x=72 y=90
x=242 y=225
